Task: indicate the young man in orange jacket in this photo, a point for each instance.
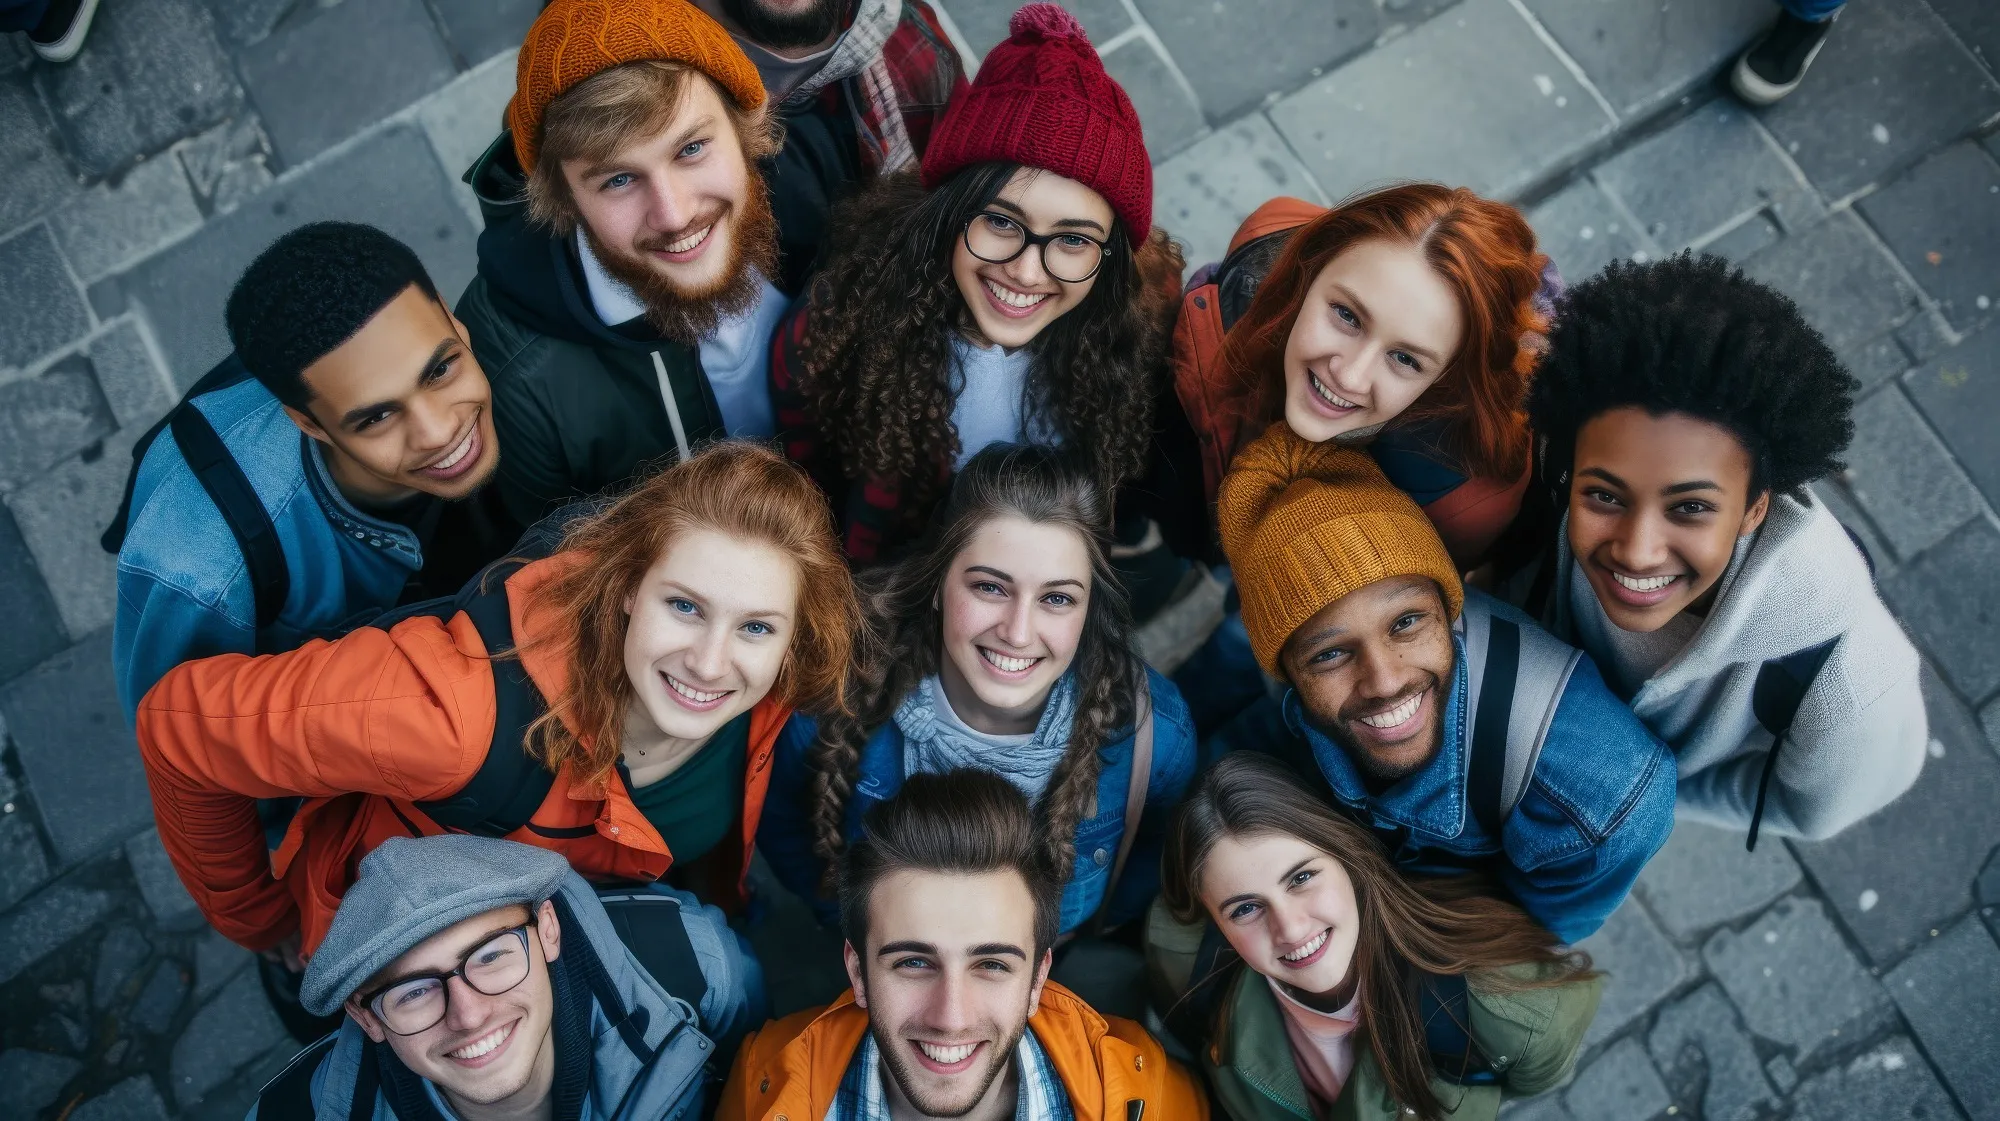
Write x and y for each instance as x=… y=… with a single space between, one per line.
x=950 y=917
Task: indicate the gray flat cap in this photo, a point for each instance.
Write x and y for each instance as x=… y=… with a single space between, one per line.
x=411 y=888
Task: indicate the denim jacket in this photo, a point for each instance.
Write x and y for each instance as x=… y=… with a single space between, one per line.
x=1600 y=805
x=786 y=837
x=183 y=586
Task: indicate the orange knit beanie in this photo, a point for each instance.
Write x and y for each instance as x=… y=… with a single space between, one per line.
x=1304 y=524
x=575 y=39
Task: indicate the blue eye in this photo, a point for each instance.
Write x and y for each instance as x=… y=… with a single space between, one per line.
x=1346 y=316
x=757 y=628
x=1241 y=911
x=1058 y=599
x=693 y=149
x=683 y=606
x=1404 y=358
x=616 y=181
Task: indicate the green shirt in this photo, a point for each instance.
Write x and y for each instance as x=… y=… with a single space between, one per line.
x=694 y=806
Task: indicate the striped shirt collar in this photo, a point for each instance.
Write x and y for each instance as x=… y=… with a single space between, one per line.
x=1041 y=1096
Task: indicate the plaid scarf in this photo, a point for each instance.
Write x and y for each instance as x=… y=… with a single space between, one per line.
x=1041 y=1096
x=898 y=69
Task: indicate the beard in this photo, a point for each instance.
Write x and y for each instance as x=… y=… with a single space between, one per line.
x=898 y=1063
x=689 y=315
x=1380 y=770
x=786 y=31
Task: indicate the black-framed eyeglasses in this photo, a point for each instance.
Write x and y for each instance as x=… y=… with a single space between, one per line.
x=416 y=1004
x=1066 y=255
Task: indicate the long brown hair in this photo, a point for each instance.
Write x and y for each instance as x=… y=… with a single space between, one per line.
x=906 y=623
x=1483 y=249
x=1408 y=926
x=884 y=308
x=741 y=490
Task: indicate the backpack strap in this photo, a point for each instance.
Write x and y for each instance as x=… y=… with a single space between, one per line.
x=1445 y=1006
x=1512 y=699
x=1136 y=786
x=651 y=926
x=220 y=476
x=1192 y=1018
x=1781 y=686
x=288 y=1095
x=230 y=371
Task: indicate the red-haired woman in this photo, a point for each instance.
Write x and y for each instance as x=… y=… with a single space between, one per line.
x=1406 y=319
x=616 y=701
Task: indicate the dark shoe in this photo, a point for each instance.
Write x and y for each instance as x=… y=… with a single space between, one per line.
x=1773 y=65
x=281 y=987
x=60 y=34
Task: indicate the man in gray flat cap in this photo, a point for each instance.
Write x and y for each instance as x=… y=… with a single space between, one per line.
x=485 y=981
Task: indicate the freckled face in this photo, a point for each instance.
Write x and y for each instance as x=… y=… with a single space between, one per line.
x=1015 y=301
x=1286 y=908
x=1377 y=328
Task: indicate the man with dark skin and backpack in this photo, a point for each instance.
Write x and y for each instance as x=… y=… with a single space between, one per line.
x=338 y=455
x=1466 y=737
x=483 y=980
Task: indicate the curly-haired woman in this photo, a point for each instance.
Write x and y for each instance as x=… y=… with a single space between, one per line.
x=1001 y=296
x=1314 y=980
x=1001 y=644
x=1686 y=407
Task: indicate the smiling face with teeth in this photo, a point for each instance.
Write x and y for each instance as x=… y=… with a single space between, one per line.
x=1656 y=506
x=1371 y=669
x=490 y=1055
x=1377 y=327
x=1288 y=910
x=1011 y=303
x=1013 y=608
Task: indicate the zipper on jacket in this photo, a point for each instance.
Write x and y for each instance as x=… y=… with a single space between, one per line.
x=673 y=406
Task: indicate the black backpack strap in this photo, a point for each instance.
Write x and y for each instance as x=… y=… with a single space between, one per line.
x=1192 y=1018
x=1445 y=1005
x=1781 y=686
x=651 y=926
x=1523 y=672
x=288 y=1095
x=230 y=490
x=230 y=371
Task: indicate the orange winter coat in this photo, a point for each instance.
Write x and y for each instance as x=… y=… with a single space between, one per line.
x=364 y=727
x=791 y=1069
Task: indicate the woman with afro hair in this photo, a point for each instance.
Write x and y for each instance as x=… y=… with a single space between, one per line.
x=1685 y=409
x=1014 y=291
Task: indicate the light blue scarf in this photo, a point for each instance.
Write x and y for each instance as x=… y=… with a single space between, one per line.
x=934 y=743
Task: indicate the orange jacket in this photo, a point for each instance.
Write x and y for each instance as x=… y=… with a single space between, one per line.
x=791 y=1069
x=364 y=727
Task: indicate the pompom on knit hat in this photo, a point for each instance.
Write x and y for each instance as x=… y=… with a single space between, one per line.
x=577 y=39
x=1042 y=99
x=1304 y=524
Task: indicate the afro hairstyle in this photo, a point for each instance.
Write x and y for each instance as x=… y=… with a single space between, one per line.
x=311 y=291
x=1693 y=335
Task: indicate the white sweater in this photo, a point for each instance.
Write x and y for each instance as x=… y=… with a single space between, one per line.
x=1859 y=737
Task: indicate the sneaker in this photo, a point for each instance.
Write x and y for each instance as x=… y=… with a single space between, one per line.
x=60 y=34
x=1773 y=65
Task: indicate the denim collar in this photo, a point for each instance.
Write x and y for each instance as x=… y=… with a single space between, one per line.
x=347 y=519
x=1432 y=801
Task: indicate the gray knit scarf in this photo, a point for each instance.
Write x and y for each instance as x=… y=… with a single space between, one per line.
x=932 y=745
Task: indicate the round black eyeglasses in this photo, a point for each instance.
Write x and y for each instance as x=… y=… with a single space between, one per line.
x=417 y=1004
x=1069 y=257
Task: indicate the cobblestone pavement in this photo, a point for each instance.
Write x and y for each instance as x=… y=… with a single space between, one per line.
x=1853 y=978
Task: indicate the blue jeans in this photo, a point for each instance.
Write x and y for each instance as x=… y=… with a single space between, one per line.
x=1812 y=11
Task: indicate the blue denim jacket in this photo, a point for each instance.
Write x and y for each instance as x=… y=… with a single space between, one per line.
x=183 y=587
x=1601 y=803
x=785 y=836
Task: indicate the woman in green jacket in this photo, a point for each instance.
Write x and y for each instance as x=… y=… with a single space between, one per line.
x=1330 y=991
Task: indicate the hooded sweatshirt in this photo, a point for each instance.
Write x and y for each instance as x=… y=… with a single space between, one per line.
x=1858 y=739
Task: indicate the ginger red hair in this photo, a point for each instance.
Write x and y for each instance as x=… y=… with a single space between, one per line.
x=1483 y=249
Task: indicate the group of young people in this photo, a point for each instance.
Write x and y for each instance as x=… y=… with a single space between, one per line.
x=829 y=463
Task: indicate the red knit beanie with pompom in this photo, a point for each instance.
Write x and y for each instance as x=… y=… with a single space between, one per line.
x=1042 y=99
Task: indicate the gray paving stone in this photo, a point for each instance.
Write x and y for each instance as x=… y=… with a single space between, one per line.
x=1703 y=173
x=233 y=1028
x=61 y=516
x=33 y=177
x=1793 y=980
x=1840 y=279
x=24 y=865
x=1641 y=55
x=216 y=960
x=80 y=758
x=325 y=79
x=1949 y=600
x=1643 y=966
x=1942 y=219
x=137 y=389
x=173 y=908
x=480 y=29
x=48 y=417
x=30 y=1080
x=1205 y=192
x=1903 y=475
x=1986 y=889
x=1516 y=113
x=160 y=1001
x=1875 y=361
x=153 y=74
x=1619 y=1085
x=46 y=921
x=33 y=633
x=229 y=162
x=1977 y=25
x=1949 y=991
x=1989 y=719
x=1580 y=228
x=1263 y=45
x=1696 y=1040
x=1167 y=115
x=1959 y=393
x=242 y=22
x=1888 y=1082
x=1782 y=1074
x=1745 y=239
x=985 y=24
x=1548 y=1107
x=464 y=117
x=119 y=957
x=109 y=226
x=1702 y=877
x=40 y=308
x=134 y=1099
x=1925 y=336
x=1890 y=85
x=390 y=180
